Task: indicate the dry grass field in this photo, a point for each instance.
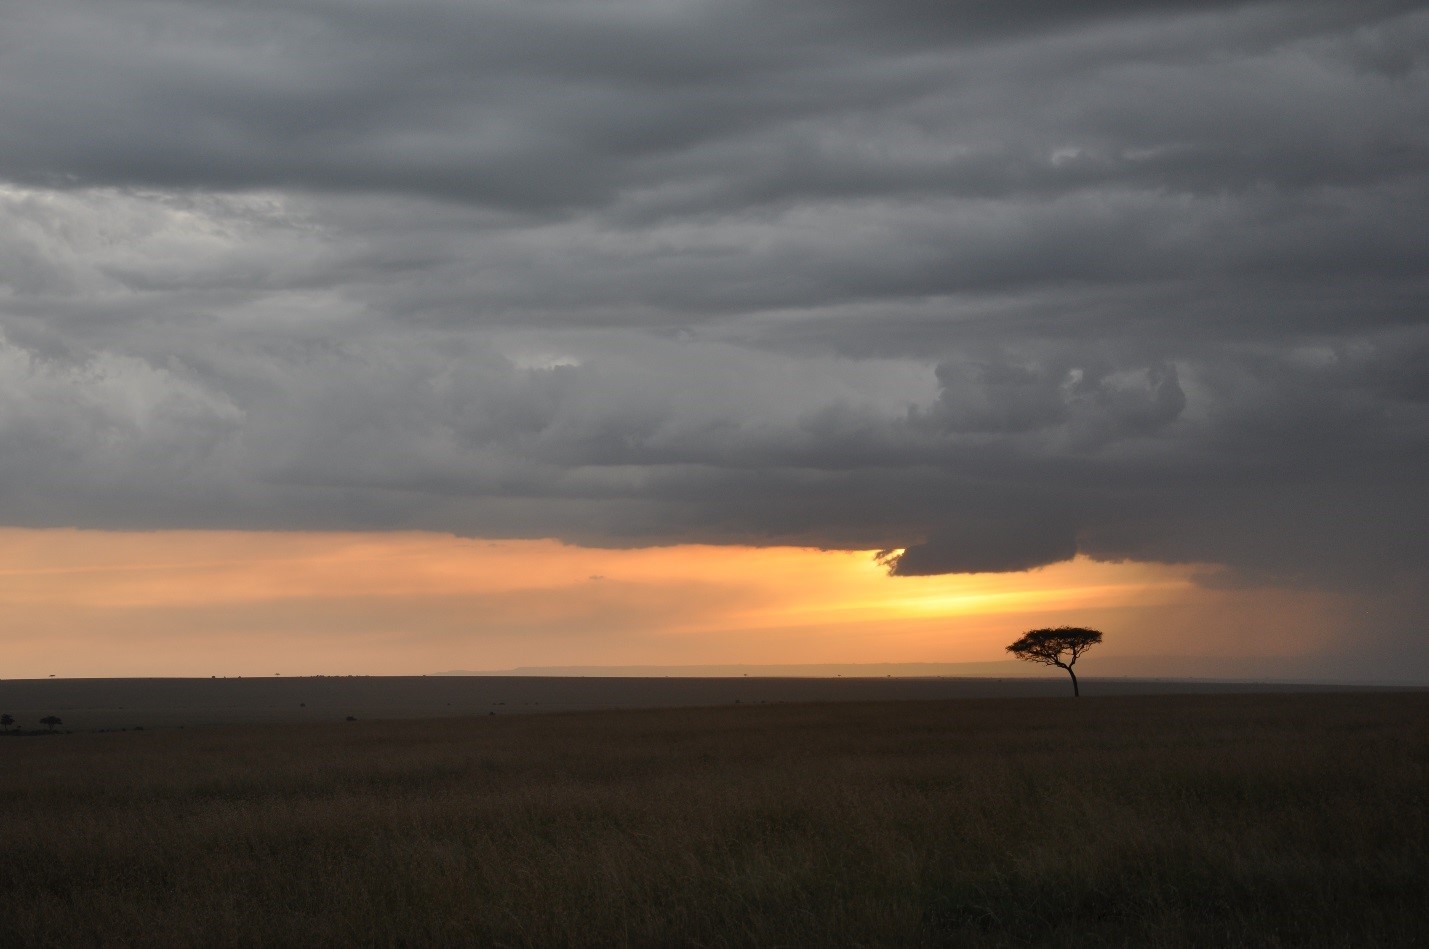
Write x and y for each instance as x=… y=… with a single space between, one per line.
x=1256 y=820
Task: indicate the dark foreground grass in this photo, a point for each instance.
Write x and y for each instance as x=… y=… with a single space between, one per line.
x=1182 y=821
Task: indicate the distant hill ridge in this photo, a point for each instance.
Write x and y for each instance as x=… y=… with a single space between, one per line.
x=811 y=670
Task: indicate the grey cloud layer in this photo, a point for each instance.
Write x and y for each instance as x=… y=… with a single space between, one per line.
x=997 y=283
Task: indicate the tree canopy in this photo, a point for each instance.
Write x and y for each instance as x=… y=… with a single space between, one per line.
x=1060 y=647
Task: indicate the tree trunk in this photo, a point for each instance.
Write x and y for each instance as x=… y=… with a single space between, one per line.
x=1076 y=692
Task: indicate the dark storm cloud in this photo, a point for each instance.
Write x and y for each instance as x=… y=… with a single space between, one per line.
x=538 y=107
x=993 y=282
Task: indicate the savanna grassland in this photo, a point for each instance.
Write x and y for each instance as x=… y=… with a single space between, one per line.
x=1258 y=820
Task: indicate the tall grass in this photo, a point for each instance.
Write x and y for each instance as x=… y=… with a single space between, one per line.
x=1214 y=820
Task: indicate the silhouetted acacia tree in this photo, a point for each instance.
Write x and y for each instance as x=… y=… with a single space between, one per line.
x=6 y=721
x=51 y=721
x=1060 y=647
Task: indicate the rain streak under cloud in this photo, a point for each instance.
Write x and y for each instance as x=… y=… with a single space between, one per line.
x=997 y=284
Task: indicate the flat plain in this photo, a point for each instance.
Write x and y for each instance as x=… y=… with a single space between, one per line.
x=90 y=704
x=1153 y=820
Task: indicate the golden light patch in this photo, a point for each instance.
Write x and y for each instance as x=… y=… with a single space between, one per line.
x=230 y=602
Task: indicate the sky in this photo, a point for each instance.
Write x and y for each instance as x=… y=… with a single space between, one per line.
x=356 y=336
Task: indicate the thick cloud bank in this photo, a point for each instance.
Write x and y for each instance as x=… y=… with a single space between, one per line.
x=995 y=283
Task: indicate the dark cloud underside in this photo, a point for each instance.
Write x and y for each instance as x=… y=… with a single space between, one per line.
x=994 y=282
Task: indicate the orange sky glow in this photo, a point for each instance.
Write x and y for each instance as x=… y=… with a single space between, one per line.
x=95 y=603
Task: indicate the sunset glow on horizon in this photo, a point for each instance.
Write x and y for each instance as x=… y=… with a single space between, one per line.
x=100 y=603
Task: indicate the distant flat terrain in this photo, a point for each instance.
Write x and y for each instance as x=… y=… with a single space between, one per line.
x=88 y=704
